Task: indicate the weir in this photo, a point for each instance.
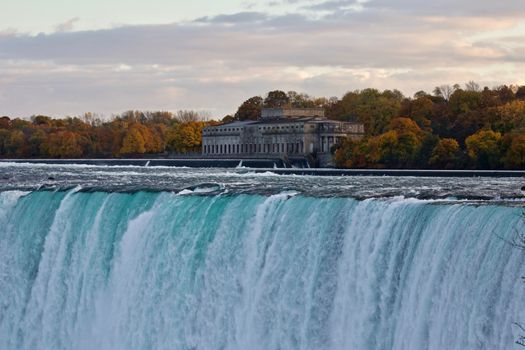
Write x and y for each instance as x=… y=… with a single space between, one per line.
x=292 y=166
x=164 y=271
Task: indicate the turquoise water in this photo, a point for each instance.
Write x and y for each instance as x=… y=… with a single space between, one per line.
x=163 y=271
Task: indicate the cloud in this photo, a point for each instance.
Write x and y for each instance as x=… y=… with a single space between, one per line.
x=216 y=62
x=334 y=5
x=241 y=17
x=484 y=8
x=67 y=26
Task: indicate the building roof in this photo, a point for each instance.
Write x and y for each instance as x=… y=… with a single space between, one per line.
x=241 y=123
x=234 y=124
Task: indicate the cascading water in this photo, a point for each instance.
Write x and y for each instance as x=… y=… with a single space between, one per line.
x=149 y=270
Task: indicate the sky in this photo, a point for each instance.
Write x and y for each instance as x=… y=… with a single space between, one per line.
x=64 y=58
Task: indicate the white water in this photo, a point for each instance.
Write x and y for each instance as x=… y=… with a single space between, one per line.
x=161 y=271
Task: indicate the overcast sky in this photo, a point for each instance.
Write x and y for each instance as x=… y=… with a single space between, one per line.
x=106 y=56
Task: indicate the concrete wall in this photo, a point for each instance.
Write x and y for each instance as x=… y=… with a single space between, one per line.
x=269 y=113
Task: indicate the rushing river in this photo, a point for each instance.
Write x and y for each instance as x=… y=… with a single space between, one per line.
x=161 y=258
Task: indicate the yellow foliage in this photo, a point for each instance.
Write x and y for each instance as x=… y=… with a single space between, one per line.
x=484 y=148
x=445 y=154
x=133 y=142
x=63 y=144
x=515 y=157
x=185 y=137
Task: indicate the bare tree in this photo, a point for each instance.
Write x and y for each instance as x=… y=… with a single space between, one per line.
x=472 y=86
x=444 y=91
x=185 y=116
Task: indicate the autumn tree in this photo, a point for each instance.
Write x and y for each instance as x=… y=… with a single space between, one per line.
x=515 y=156
x=520 y=93
x=4 y=136
x=63 y=144
x=301 y=100
x=373 y=108
x=250 y=109
x=276 y=99
x=133 y=142
x=185 y=137
x=35 y=143
x=5 y=122
x=397 y=147
x=483 y=148
x=41 y=120
x=420 y=110
x=445 y=155
x=228 y=119
x=15 y=144
x=509 y=116
x=344 y=155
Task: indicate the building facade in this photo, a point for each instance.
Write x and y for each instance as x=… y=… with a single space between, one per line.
x=279 y=133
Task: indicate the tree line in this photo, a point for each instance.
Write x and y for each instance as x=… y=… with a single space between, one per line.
x=455 y=126
x=130 y=134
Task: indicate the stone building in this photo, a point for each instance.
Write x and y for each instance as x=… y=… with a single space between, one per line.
x=283 y=133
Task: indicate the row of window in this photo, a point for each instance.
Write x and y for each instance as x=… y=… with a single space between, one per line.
x=290 y=148
x=287 y=127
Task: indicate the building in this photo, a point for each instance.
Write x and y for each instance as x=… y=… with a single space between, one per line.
x=284 y=133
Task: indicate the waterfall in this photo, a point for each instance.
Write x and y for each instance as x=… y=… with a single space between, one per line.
x=163 y=271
